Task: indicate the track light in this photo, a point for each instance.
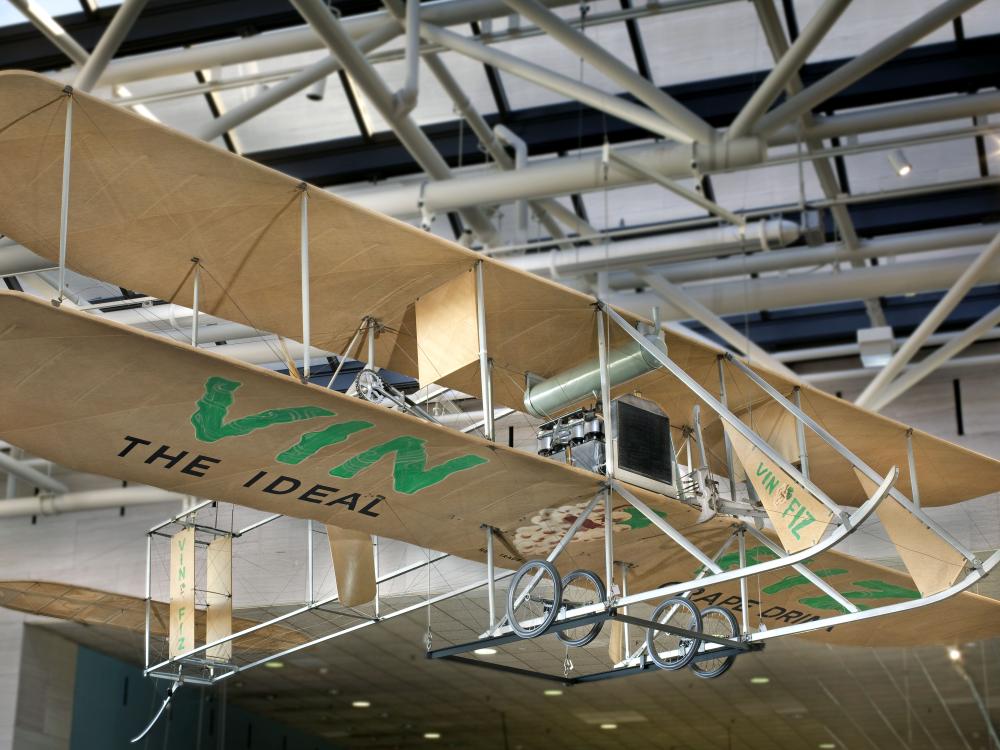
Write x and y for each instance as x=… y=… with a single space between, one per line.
x=899 y=162
x=318 y=90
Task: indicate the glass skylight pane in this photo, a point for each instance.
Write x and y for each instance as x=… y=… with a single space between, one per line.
x=691 y=45
x=865 y=24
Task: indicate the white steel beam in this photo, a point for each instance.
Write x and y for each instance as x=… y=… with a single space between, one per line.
x=676 y=296
x=787 y=66
x=271 y=96
x=644 y=90
x=332 y=31
x=562 y=85
x=864 y=63
x=938 y=357
x=111 y=39
x=51 y=30
x=969 y=277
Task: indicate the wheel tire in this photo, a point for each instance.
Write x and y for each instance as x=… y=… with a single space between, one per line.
x=717 y=669
x=690 y=646
x=530 y=568
x=601 y=595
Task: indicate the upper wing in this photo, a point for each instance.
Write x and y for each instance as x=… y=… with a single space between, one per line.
x=145 y=200
x=101 y=397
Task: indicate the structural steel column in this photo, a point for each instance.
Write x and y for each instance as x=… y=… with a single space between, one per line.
x=112 y=38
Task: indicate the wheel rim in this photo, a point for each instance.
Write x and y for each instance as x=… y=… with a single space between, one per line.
x=533 y=599
x=581 y=588
x=668 y=650
x=720 y=623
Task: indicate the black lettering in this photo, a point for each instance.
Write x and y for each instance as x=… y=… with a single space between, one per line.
x=710 y=599
x=809 y=618
x=366 y=511
x=132 y=442
x=693 y=592
x=272 y=488
x=349 y=500
x=316 y=493
x=774 y=611
x=254 y=478
x=161 y=453
x=198 y=466
x=790 y=615
x=751 y=603
x=729 y=601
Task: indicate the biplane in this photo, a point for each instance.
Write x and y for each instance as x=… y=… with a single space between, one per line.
x=668 y=473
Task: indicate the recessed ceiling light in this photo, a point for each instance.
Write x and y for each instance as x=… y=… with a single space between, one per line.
x=274 y=664
x=485 y=651
x=954 y=654
x=759 y=680
x=609 y=726
x=432 y=735
x=323 y=670
x=361 y=704
x=553 y=691
x=332 y=691
x=827 y=746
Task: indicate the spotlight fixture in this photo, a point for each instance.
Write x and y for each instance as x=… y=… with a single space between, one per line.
x=432 y=735
x=485 y=651
x=954 y=654
x=899 y=162
x=318 y=91
x=361 y=704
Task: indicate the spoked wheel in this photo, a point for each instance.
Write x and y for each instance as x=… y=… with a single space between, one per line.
x=669 y=650
x=721 y=623
x=581 y=588
x=533 y=598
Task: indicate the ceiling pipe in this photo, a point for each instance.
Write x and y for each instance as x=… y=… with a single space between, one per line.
x=835 y=351
x=859 y=66
x=739 y=263
x=892 y=117
x=551 y=177
x=12 y=466
x=820 y=378
x=804 y=289
x=651 y=250
x=70 y=502
x=600 y=59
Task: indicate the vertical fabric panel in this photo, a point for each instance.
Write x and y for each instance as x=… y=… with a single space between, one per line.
x=219 y=597
x=181 y=592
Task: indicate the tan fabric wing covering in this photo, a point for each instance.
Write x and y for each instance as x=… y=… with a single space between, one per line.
x=146 y=199
x=353 y=565
x=447 y=332
x=126 y=382
x=94 y=607
x=933 y=564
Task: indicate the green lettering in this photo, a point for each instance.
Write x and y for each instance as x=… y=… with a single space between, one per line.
x=208 y=420
x=311 y=442
x=409 y=471
x=792 y=581
x=770 y=483
x=807 y=519
x=873 y=590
